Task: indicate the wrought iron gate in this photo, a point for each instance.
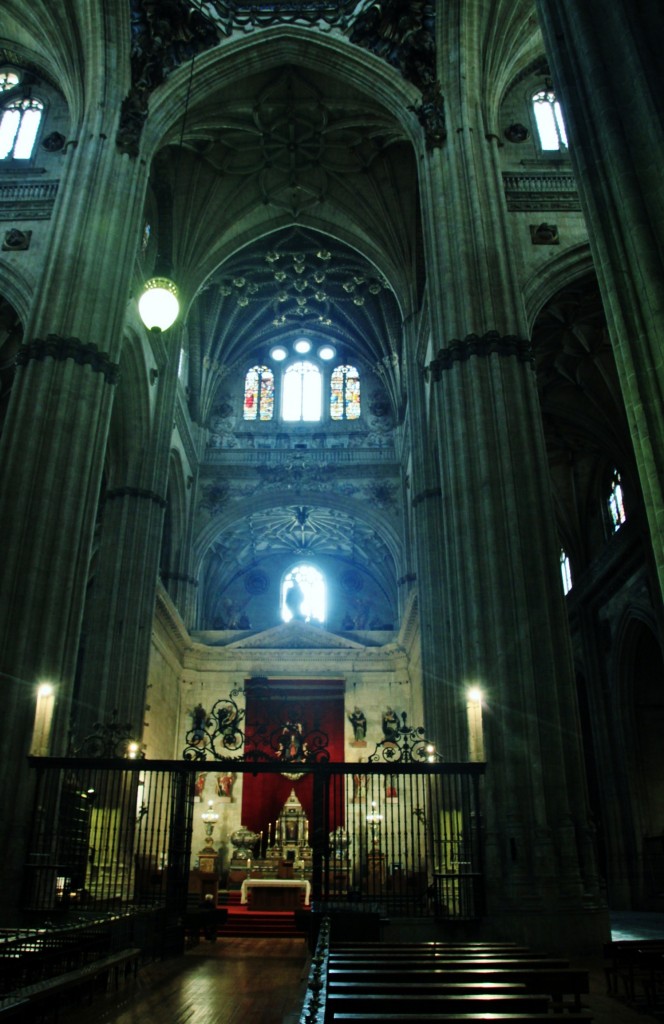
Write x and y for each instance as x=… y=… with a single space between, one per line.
x=403 y=839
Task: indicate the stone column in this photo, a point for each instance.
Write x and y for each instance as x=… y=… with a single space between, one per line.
x=426 y=514
x=505 y=624
x=606 y=64
x=118 y=621
x=54 y=438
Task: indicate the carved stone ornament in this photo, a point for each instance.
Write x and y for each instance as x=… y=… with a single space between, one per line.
x=544 y=234
x=431 y=115
x=16 y=241
x=516 y=133
x=54 y=142
x=58 y=348
x=491 y=343
x=164 y=35
x=403 y=34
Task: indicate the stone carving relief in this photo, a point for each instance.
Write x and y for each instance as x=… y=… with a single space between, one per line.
x=403 y=34
x=164 y=34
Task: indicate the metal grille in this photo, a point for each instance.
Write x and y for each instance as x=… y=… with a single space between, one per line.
x=108 y=834
x=401 y=839
x=411 y=844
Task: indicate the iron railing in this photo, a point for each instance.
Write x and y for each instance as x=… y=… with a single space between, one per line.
x=402 y=839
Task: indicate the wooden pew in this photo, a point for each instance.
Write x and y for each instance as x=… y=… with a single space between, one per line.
x=459 y=1018
x=404 y=962
x=632 y=961
x=27 y=1003
x=425 y=1004
x=564 y=986
x=433 y=947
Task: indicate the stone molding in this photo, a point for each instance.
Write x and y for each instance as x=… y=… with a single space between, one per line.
x=491 y=343
x=27 y=200
x=136 y=492
x=181 y=577
x=430 y=492
x=185 y=428
x=541 y=191
x=410 y=623
x=54 y=346
x=173 y=628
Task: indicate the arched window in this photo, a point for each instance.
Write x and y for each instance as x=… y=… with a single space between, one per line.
x=565 y=571
x=303 y=594
x=18 y=128
x=616 y=502
x=549 y=118
x=345 y=393
x=301 y=398
x=259 y=393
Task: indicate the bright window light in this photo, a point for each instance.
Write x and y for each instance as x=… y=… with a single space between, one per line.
x=303 y=594
x=18 y=128
x=302 y=393
x=549 y=118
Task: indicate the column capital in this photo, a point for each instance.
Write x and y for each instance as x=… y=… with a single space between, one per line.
x=492 y=343
x=54 y=346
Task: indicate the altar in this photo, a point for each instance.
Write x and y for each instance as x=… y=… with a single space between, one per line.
x=275 y=893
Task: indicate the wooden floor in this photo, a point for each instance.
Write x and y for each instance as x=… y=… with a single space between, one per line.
x=260 y=981
x=230 y=981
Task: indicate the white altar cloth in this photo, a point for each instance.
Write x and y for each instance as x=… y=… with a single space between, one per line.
x=281 y=883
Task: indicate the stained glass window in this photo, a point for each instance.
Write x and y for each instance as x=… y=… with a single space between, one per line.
x=302 y=392
x=549 y=118
x=616 y=502
x=345 y=393
x=18 y=128
x=259 y=393
x=565 y=571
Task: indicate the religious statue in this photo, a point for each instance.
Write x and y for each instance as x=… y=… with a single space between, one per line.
x=390 y=724
x=358 y=720
x=225 y=785
x=359 y=785
x=199 y=786
x=292 y=746
x=198 y=723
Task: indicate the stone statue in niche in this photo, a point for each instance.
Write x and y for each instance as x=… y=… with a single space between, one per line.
x=359 y=785
x=390 y=724
x=358 y=720
x=198 y=723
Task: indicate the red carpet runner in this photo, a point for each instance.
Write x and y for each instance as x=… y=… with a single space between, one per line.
x=259 y=924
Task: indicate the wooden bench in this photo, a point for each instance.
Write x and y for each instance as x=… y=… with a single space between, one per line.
x=25 y=1004
x=632 y=961
x=405 y=962
x=458 y=1018
x=465 y=948
x=557 y=983
x=425 y=1004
